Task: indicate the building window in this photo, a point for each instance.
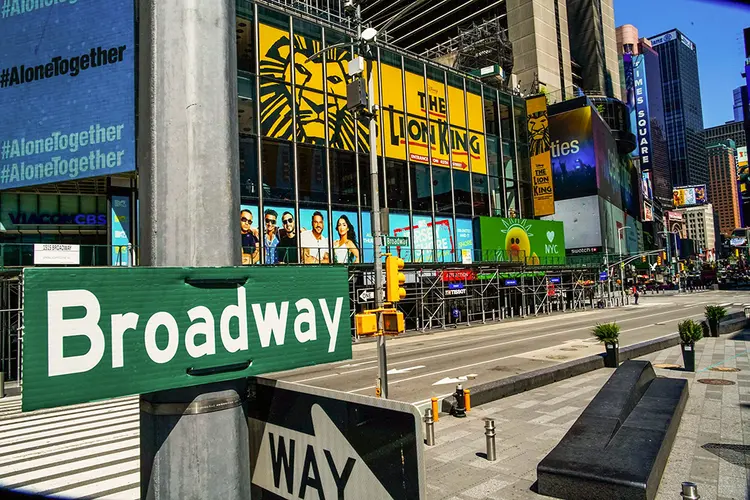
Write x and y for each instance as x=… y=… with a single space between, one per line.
x=278 y=171
x=248 y=168
x=441 y=182
x=462 y=192
x=421 y=197
x=481 y=194
x=397 y=184
x=311 y=168
x=343 y=177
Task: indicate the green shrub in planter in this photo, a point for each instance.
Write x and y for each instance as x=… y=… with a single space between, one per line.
x=690 y=333
x=609 y=335
x=714 y=315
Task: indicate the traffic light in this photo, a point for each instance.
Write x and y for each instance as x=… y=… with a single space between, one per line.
x=394 y=278
x=658 y=259
x=643 y=258
x=664 y=255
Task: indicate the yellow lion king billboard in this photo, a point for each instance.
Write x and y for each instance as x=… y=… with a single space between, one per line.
x=440 y=123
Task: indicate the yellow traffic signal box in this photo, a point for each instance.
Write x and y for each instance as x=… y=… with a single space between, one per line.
x=394 y=278
x=366 y=323
x=393 y=322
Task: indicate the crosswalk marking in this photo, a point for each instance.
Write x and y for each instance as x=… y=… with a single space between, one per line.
x=79 y=451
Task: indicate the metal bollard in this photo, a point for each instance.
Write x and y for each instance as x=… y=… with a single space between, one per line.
x=429 y=427
x=459 y=409
x=489 y=434
x=689 y=491
x=2 y=385
x=435 y=413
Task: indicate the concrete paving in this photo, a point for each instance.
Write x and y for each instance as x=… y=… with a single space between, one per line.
x=92 y=450
x=712 y=447
x=420 y=364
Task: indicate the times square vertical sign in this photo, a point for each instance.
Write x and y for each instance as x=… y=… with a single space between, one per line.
x=67 y=90
x=642 y=125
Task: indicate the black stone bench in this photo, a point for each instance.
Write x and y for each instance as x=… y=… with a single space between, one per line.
x=618 y=447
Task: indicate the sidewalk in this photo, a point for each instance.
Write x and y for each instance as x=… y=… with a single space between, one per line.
x=92 y=450
x=712 y=447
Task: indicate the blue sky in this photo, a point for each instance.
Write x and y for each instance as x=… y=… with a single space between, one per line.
x=714 y=27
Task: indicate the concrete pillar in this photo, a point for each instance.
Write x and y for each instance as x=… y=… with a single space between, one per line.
x=188 y=160
x=188 y=148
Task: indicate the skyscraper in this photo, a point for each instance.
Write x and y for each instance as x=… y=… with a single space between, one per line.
x=593 y=45
x=739 y=106
x=643 y=96
x=730 y=130
x=683 y=112
x=722 y=188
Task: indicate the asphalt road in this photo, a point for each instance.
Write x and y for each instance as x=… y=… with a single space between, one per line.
x=425 y=365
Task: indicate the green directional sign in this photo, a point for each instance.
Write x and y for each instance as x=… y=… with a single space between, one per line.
x=93 y=334
x=396 y=241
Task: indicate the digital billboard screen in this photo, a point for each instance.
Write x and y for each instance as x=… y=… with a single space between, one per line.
x=573 y=154
x=67 y=79
x=689 y=195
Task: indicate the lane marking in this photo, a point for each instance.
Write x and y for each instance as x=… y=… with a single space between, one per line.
x=463 y=367
x=482 y=347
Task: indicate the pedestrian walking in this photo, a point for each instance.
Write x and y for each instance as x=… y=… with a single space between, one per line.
x=636 y=294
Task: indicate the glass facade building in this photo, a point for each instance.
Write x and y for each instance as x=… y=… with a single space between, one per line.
x=683 y=112
x=449 y=148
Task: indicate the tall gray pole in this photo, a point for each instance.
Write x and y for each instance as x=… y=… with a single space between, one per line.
x=382 y=359
x=622 y=272
x=194 y=441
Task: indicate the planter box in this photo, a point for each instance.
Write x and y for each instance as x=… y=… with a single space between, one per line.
x=612 y=360
x=688 y=356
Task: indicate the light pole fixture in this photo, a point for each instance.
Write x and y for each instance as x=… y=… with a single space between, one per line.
x=361 y=102
x=620 y=231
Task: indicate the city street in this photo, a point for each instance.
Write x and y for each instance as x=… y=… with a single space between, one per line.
x=427 y=365
x=92 y=450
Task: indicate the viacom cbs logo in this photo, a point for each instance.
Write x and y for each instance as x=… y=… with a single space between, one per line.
x=33 y=219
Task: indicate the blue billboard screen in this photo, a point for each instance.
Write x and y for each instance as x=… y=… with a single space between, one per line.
x=573 y=154
x=67 y=77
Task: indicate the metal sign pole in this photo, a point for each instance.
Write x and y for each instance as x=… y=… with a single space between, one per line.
x=194 y=442
x=375 y=195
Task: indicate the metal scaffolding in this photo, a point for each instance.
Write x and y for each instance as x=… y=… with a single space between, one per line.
x=478 y=46
x=443 y=296
x=11 y=325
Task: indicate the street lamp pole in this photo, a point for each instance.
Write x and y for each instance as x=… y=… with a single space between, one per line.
x=382 y=382
x=669 y=253
x=620 y=231
x=366 y=40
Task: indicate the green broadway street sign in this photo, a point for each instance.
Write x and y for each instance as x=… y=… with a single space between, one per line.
x=93 y=334
x=396 y=241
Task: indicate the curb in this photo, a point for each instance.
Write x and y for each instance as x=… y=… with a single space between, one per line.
x=510 y=386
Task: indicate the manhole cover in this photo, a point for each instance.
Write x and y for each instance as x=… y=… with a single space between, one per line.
x=724 y=369
x=715 y=381
x=667 y=366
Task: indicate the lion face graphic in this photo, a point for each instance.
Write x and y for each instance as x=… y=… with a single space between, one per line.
x=538 y=127
x=309 y=77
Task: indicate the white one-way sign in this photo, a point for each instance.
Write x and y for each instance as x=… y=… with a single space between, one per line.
x=318 y=444
x=295 y=465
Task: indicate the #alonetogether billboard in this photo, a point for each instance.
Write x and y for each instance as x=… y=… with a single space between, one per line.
x=67 y=79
